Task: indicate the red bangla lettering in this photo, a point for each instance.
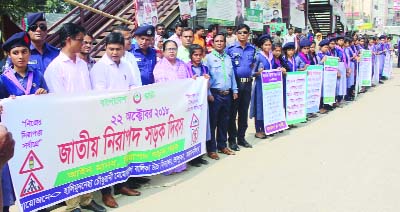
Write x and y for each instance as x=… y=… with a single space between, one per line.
x=116 y=141
x=81 y=148
x=174 y=126
x=153 y=132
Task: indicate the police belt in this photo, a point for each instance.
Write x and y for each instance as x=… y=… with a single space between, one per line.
x=247 y=79
x=220 y=92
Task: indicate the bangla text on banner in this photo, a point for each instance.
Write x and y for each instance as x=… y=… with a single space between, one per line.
x=273 y=107
x=331 y=66
x=68 y=145
x=296 y=97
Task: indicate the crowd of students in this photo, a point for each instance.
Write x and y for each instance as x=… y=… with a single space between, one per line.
x=231 y=63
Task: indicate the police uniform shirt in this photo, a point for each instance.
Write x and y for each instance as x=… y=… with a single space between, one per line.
x=39 y=61
x=146 y=64
x=242 y=59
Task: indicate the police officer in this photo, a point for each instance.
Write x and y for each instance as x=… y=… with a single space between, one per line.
x=42 y=53
x=242 y=54
x=145 y=55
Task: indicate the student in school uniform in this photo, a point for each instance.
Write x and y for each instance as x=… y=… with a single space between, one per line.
x=303 y=59
x=344 y=69
x=351 y=57
x=264 y=61
x=18 y=79
x=322 y=55
x=198 y=69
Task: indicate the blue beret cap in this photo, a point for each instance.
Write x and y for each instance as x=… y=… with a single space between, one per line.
x=264 y=37
x=289 y=45
x=324 y=42
x=347 y=39
x=339 y=37
x=147 y=30
x=32 y=18
x=18 y=39
x=304 y=43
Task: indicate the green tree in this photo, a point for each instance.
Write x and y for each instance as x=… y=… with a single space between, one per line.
x=57 y=6
x=17 y=9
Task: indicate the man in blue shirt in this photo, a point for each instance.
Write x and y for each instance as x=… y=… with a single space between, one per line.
x=42 y=53
x=145 y=55
x=222 y=89
x=242 y=55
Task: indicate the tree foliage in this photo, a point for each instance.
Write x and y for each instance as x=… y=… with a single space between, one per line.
x=17 y=9
x=57 y=6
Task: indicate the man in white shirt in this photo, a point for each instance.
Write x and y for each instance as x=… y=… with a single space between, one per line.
x=128 y=56
x=177 y=35
x=111 y=72
x=289 y=37
x=231 y=38
x=67 y=73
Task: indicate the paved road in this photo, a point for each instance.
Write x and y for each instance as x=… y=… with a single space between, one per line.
x=345 y=161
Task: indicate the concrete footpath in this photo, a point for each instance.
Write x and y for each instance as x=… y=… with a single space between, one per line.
x=345 y=161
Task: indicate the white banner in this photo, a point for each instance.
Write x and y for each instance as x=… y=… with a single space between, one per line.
x=375 y=77
x=297 y=8
x=187 y=8
x=67 y=145
x=296 y=97
x=272 y=10
x=225 y=12
x=329 y=81
x=273 y=107
x=387 y=66
x=365 y=68
x=314 y=87
x=146 y=12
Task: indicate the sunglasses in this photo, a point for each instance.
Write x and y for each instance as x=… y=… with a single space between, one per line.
x=33 y=27
x=243 y=32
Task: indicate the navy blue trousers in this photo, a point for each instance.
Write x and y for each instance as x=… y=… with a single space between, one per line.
x=240 y=109
x=219 y=120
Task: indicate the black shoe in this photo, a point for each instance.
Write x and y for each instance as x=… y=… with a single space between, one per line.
x=194 y=163
x=202 y=160
x=245 y=144
x=133 y=185
x=93 y=206
x=381 y=82
x=141 y=180
x=234 y=147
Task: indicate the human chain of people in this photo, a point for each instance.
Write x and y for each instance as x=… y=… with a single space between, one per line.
x=277 y=82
